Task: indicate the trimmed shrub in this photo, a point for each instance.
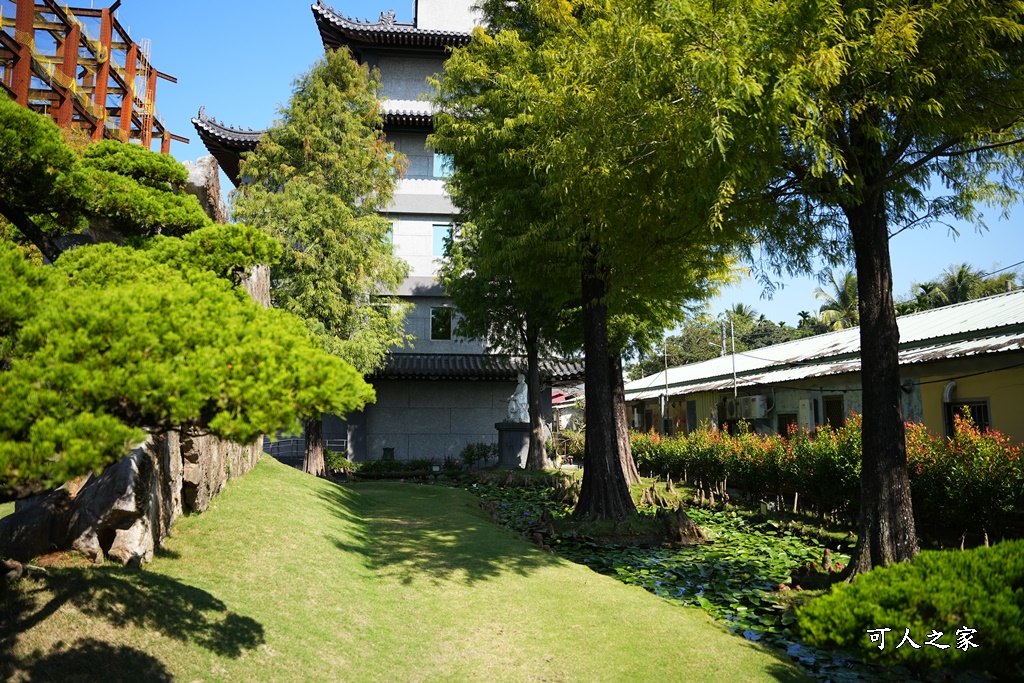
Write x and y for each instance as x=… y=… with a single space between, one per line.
x=938 y=592
x=480 y=451
x=972 y=482
x=336 y=462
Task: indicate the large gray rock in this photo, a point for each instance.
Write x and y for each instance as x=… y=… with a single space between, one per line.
x=209 y=463
x=204 y=183
x=127 y=511
x=36 y=526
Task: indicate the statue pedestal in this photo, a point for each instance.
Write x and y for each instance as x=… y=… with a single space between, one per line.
x=513 y=444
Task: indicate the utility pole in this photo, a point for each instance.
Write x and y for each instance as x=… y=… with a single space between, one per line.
x=732 y=333
x=664 y=411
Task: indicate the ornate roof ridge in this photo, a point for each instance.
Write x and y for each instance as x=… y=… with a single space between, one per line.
x=202 y=123
x=385 y=30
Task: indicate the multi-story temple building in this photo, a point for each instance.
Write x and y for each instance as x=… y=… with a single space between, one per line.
x=441 y=392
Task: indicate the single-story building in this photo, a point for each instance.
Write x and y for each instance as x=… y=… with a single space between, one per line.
x=963 y=356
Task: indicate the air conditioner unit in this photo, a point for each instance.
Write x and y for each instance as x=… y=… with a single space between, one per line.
x=752 y=407
x=804 y=416
x=732 y=409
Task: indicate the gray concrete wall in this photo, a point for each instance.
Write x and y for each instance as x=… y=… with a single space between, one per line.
x=419 y=159
x=417 y=323
x=433 y=419
x=405 y=78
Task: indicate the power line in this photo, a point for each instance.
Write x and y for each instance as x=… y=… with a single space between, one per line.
x=1002 y=269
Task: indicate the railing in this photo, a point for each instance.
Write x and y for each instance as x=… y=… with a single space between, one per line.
x=291 y=450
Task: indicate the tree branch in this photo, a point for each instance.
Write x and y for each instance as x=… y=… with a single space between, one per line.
x=29 y=229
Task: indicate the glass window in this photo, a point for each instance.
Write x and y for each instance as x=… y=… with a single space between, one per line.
x=389 y=235
x=441 y=233
x=835 y=411
x=441 y=323
x=442 y=165
x=977 y=408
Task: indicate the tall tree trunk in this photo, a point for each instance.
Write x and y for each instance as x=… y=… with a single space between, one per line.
x=537 y=458
x=887 y=532
x=313 y=461
x=629 y=469
x=604 y=493
x=29 y=229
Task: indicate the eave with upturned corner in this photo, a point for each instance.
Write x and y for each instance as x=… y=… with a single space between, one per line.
x=225 y=143
x=228 y=143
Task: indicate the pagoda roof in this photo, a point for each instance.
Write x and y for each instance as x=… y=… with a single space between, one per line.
x=337 y=30
x=467 y=366
x=407 y=113
x=226 y=143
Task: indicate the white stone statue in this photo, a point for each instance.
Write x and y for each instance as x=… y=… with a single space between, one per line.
x=518 y=404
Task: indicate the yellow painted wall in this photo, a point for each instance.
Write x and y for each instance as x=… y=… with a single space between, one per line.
x=1004 y=390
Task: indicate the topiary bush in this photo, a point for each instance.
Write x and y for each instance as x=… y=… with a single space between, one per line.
x=478 y=452
x=938 y=592
x=336 y=462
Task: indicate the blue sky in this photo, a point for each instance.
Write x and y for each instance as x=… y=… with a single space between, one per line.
x=239 y=58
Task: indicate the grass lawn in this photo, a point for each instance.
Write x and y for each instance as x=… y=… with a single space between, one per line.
x=290 y=578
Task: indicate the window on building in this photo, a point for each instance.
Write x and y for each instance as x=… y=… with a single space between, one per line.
x=835 y=411
x=389 y=234
x=441 y=323
x=441 y=233
x=442 y=165
x=978 y=409
x=786 y=422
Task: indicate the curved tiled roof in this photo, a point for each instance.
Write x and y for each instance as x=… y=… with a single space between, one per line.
x=337 y=30
x=226 y=143
x=480 y=366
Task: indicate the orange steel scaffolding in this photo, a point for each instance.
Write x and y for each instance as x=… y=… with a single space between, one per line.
x=51 y=62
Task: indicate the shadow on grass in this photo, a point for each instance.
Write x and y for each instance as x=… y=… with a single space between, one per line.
x=430 y=533
x=121 y=599
x=89 y=660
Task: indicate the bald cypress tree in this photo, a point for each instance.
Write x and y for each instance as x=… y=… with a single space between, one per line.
x=315 y=184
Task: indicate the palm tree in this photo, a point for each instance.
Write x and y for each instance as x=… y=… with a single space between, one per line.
x=929 y=295
x=740 y=312
x=962 y=283
x=840 y=309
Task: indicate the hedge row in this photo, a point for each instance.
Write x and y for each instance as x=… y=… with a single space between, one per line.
x=972 y=482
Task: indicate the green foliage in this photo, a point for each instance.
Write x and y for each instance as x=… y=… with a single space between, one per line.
x=337 y=462
x=972 y=482
x=956 y=284
x=478 y=452
x=318 y=178
x=700 y=339
x=127 y=187
x=223 y=249
x=839 y=311
x=735 y=577
x=113 y=340
x=38 y=171
x=372 y=468
x=939 y=591
x=568 y=443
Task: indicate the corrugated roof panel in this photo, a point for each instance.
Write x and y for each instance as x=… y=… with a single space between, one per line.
x=838 y=352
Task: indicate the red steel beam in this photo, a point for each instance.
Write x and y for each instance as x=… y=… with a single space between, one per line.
x=69 y=67
x=24 y=25
x=99 y=94
x=128 y=99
